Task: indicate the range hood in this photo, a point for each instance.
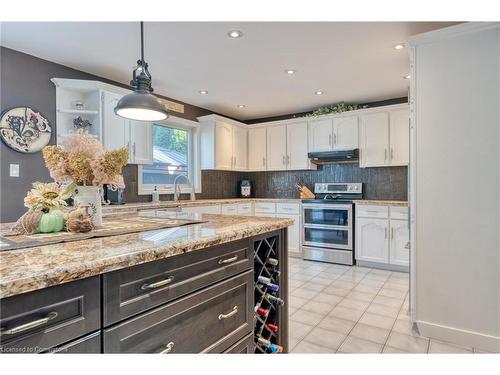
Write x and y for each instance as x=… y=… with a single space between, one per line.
x=331 y=157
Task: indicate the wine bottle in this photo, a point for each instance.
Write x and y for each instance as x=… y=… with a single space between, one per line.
x=273 y=348
x=273 y=287
x=272 y=261
x=262 y=312
x=272 y=327
x=276 y=300
x=275 y=272
x=264 y=280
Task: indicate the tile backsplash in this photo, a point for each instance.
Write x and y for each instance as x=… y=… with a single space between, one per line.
x=379 y=183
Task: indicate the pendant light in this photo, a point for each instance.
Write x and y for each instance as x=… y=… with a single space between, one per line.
x=141 y=104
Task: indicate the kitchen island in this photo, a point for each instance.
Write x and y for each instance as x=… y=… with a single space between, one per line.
x=187 y=289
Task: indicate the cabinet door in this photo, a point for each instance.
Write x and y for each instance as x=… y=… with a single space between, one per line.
x=399 y=134
x=345 y=133
x=240 y=148
x=296 y=136
x=141 y=140
x=320 y=135
x=257 y=141
x=374 y=140
x=372 y=243
x=400 y=235
x=294 y=243
x=223 y=145
x=116 y=129
x=276 y=148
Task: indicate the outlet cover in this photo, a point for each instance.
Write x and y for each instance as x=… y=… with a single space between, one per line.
x=14 y=170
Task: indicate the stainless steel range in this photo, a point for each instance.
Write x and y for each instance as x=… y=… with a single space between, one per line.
x=329 y=222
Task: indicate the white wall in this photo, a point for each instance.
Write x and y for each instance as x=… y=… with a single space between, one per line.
x=455 y=175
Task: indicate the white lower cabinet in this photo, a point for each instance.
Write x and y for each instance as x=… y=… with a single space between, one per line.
x=245 y=209
x=400 y=234
x=294 y=231
x=381 y=235
x=229 y=209
x=372 y=244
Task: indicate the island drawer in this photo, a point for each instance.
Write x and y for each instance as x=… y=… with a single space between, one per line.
x=208 y=321
x=136 y=289
x=90 y=344
x=244 y=346
x=42 y=319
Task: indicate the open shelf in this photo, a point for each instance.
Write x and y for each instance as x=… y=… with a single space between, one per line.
x=78 y=111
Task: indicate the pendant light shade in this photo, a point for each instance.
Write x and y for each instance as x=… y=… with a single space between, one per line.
x=141 y=104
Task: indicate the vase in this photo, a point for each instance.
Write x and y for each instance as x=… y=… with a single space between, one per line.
x=90 y=198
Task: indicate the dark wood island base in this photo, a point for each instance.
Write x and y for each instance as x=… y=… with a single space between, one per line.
x=198 y=302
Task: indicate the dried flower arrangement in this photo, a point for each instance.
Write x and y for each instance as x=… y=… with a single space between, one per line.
x=83 y=160
x=47 y=196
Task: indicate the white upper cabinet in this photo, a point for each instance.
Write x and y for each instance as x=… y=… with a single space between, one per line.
x=345 y=133
x=257 y=150
x=116 y=132
x=141 y=142
x=224 y=144
x=320 y=135
x=385 y=138
x=331 y=134
x=296 y=137
x=240 y=148
x=276 y=148
x=374 y=139
x=119 y=132
x=399 y=131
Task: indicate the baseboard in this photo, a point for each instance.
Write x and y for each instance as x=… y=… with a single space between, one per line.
x=459 y=336
x=382 y=266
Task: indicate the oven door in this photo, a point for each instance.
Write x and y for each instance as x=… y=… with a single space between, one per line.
x=327 y=215
x=334 y=238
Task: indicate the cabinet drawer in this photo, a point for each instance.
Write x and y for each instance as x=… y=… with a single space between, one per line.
x=399 y=212
x=265 y=207
x=229 y=209
x=133 y=290
x=288 y=208
x=244 y=346
x=372 y=211
x=90 y=344
x=201 y=322
x=245 y=209
x=42 y=319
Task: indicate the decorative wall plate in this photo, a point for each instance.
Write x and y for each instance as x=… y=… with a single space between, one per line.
x=24 y=129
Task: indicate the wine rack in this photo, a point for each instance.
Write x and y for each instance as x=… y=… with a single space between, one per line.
x=270 y=265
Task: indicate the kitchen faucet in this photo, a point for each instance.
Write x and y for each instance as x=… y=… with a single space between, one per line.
x=177 y=191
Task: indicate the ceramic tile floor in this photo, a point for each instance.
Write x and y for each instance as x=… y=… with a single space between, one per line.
x=342 y=309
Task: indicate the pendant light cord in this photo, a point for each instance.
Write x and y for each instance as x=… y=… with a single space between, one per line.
x=142 y=41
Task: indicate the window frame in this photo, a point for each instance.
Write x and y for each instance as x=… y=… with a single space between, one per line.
x=193 y=127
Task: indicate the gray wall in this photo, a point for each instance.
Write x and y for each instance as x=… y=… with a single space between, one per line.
x=25 y=81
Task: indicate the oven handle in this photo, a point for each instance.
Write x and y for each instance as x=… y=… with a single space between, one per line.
x=334 y=227
x=337 y=207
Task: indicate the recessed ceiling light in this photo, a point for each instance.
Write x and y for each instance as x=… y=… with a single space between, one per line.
x=319 y=92
x=407 y=76
x=290 y=71
x=235 y=34
x=241 y=105
x=398 y=46
x=203 y=92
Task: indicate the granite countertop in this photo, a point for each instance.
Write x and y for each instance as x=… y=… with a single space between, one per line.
x=29 y=269
x=382 y=202
x=134 y=207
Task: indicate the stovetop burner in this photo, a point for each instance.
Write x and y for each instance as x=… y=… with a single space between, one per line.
x=331 y=192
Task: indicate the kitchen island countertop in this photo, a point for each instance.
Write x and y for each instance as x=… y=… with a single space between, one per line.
x=27 y=269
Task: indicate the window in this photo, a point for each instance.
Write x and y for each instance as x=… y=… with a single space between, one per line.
x=173 y=155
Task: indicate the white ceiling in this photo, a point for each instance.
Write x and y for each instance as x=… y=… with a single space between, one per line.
x=348 y=61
